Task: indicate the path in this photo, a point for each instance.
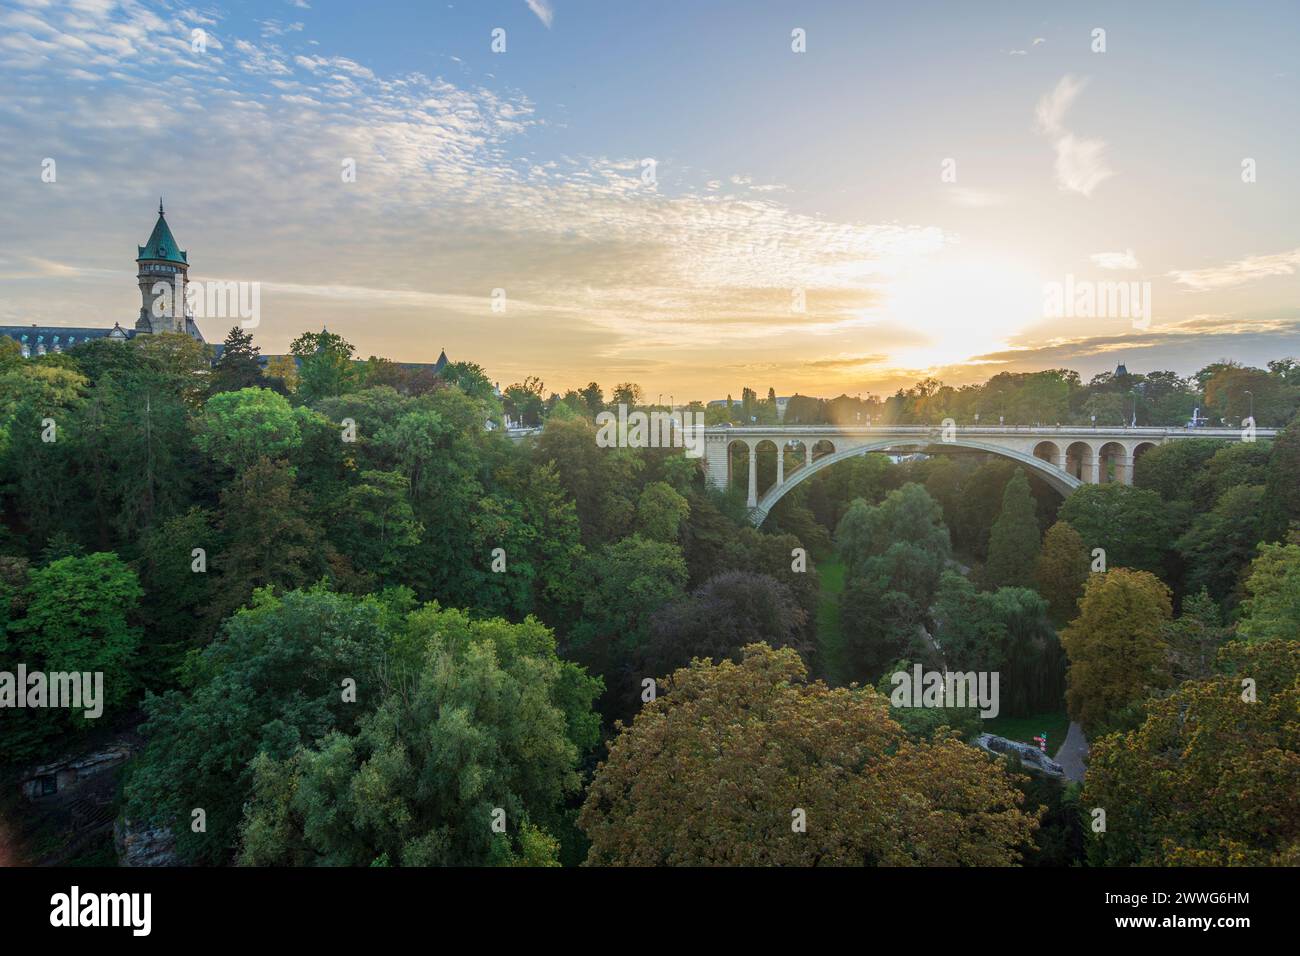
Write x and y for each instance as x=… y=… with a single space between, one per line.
x=1073 y=753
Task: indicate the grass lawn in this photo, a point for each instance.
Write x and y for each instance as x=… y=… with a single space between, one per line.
x=830 y=639
x=1024 y=729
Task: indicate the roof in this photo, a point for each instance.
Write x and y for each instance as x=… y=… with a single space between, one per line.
x=161 y=244
x=60 y=336
x=442 y=361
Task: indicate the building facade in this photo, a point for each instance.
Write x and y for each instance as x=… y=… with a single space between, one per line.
x=162 y=272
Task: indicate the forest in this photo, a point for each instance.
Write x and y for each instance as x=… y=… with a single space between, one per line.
x=346 y=619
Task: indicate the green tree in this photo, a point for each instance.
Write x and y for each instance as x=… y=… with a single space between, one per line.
x=1134 y=526
x=271 y=682
x=1220 y=543
x=239 y=366
x=660 y=512
x=377 y=529
x=1271 y=610
x=907 y=514
x=1282 y=497
x=1013 y=543
x=325 y=365
x=267 y=539
x=489 y=722
x=1165 y=469
x=238 y=428
x=79 y=618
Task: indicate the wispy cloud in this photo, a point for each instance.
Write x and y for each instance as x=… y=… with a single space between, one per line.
x=449 y=201
x=1080 y=163
x=545 y=12
x=1115 y=260
x=1239 y=272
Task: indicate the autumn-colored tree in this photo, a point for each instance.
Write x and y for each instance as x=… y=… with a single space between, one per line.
x=1116 y=645
x=1061 y=570
x=1013 y=542
x=749 y=764
x=1212 y=777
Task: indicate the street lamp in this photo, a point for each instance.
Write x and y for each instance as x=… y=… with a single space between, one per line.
x=1252 y=404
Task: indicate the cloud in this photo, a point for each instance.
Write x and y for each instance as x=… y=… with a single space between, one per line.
x=1080 y=164
x=450 y=201
x=1115 y=260
x=973 y=198
x=1239 y=272
x=545 y=12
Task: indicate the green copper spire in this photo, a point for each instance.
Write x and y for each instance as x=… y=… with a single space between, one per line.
x=161 y=244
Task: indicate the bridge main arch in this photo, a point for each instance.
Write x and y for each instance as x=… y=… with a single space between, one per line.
x=1044 y=469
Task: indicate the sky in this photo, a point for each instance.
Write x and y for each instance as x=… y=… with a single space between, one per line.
x=822 y=197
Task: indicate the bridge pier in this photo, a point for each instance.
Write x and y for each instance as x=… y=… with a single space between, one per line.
x=752 y=500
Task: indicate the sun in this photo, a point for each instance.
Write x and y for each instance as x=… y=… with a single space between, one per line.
x=962 y=306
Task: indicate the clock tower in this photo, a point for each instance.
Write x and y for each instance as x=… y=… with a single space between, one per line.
x=162 y=273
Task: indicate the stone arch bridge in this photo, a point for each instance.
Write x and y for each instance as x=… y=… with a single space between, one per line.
x=1065 y=456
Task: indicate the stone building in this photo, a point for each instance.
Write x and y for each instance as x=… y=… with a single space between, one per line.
x=162 y=272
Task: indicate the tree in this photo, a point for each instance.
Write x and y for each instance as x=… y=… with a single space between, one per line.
x=883 y=609
x=271 y=682
x=1133 y=525
x=1195 y=637
x=267 y=537
x=720 y=617
x=1271 y=610
x=1210 y=778
x=79 y=618
x=325 y=365
x=660 y=512
x=1116 y=645
x=630 y=580
x=377 y=528
x=1013 y=543
x=489 y=724
x=1165 y=468
x=1061 y=570
x=1220 y=543
x=736 y=759
x=239 y=366
x=908 y=514
x=1282 y=497
x=238 y=428
x=523 y=401
x=284 y=369
x=175 y=594
x=1005 y=631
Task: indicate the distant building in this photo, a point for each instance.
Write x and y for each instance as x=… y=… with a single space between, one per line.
x=162 y=270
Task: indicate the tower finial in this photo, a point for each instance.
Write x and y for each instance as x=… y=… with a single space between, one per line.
x=160 y=209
